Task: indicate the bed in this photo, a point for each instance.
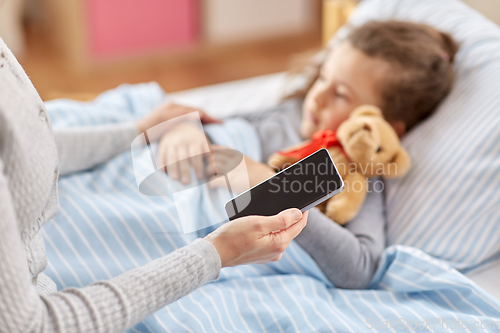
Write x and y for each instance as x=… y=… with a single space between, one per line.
x=267 y=90
x=106 y=226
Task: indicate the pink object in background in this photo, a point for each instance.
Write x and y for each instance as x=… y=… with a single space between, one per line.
x=130 y=27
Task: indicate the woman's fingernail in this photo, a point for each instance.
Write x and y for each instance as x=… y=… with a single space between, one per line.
x=296 y=214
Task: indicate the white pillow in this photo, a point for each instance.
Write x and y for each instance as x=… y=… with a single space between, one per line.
x=448 y=205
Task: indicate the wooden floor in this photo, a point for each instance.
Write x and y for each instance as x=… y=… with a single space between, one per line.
x=53 y=78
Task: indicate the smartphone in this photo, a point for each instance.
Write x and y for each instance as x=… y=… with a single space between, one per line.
x=303 y=185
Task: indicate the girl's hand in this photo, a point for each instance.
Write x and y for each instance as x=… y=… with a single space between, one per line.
x=180 y=147
x=239 y=179
x=166 y=112
x=257 y=239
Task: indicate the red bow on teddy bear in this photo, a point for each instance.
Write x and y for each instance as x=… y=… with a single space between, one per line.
x=320 y=139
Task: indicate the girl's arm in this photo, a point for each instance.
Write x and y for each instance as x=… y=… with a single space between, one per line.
x=347 y=255
x=278 y=127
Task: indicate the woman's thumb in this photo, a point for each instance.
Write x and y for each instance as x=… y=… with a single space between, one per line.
x=283 y=220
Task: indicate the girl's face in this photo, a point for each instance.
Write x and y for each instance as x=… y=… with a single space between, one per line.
x=348 y=78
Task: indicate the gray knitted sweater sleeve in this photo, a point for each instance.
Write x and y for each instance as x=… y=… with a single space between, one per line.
x=104 y=306
x=119 y=303
x=80 y=148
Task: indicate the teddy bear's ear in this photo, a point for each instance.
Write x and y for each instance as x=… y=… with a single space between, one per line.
x=367 y=110
x=399 y=165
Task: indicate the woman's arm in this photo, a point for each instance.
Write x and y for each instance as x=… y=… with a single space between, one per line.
x=81 y=148
x=117 y=304
x=347 y=255
x=105 y=306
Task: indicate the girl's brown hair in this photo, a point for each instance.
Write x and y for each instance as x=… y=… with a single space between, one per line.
x=422 y=60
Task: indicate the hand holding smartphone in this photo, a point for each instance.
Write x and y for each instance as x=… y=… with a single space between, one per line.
x=303 y=185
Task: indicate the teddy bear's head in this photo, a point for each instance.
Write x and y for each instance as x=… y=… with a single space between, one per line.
x=372 y=144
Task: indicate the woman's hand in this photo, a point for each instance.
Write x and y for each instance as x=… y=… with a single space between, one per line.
x=169 y=111
x=257 y=239
x=181 y=147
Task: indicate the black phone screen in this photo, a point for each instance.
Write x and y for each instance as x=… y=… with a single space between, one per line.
x=302 y=185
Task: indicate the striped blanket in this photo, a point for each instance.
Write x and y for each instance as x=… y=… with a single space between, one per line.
x=105 y=226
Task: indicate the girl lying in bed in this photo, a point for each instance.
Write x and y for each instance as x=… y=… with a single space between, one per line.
x=403 y=68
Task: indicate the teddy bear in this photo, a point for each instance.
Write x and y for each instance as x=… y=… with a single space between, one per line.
x=364 y=146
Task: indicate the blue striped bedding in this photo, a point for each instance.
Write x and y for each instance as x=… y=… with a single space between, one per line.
x=105 y=227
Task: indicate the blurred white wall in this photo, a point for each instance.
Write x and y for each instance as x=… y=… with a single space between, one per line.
x=227 y=21
x=489 y=8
